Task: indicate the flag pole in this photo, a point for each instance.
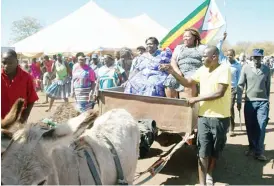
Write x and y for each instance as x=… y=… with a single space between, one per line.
x=225 y=17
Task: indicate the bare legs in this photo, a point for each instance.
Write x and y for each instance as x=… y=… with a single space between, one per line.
x=47 y=100
x=202 y=170
x=52 y=101
x=188 y=92
x=50 y=104
x=171 y=93
x=211 y=167
x=205 y=170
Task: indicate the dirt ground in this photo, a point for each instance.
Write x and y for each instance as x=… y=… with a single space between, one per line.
x=233 y=167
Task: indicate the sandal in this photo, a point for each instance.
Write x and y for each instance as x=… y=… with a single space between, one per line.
x=209 y=180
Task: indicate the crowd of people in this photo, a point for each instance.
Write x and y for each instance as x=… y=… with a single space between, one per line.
x=195 y=72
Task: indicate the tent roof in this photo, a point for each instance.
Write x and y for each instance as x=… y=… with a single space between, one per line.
x=146 y=26
x=90 y=28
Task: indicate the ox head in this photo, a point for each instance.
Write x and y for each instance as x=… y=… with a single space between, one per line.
x=27 y=159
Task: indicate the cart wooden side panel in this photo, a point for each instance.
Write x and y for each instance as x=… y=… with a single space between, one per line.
x=170 y=114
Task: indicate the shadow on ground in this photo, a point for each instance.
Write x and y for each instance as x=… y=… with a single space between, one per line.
x=233 y=167
x=166 y=139
x=242 y=170
x=153 y=152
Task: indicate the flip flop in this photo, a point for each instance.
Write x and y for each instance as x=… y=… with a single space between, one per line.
x=209 y=180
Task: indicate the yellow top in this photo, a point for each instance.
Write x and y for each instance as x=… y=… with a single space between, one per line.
x=219 y=108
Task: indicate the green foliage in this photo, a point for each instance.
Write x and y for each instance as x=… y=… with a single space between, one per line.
x=24 y=28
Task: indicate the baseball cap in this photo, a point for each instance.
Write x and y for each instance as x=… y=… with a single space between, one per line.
x=94 y=56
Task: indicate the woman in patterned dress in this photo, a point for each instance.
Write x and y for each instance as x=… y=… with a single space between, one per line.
x=61 y=86
x=110 y=75
x=83 y=84
x=145 y=77
x=186 y=59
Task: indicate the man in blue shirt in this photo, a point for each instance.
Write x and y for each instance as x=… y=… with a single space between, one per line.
x=235 y=75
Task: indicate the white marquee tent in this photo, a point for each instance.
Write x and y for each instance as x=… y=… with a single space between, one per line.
x=88 y=29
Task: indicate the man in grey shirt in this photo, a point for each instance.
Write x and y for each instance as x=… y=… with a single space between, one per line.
x=256 y=77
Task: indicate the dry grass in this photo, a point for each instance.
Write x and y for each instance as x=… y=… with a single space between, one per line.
x=61 y=114
x=64 y=112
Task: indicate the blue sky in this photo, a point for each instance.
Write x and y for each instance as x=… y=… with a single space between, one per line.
x=247 y=20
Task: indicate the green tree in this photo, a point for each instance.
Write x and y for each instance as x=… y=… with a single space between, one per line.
x=24 y=28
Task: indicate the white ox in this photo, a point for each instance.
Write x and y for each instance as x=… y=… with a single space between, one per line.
x=36 y=157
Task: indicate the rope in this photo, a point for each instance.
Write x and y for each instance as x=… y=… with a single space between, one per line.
x=162 y=161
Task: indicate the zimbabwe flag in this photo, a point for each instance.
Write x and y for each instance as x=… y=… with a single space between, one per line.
x=206 y=18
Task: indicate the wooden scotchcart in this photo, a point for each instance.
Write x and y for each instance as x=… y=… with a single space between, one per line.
x=173 y=115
